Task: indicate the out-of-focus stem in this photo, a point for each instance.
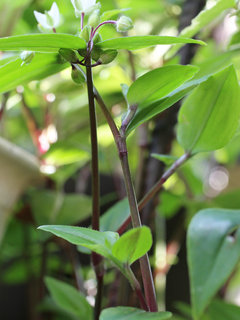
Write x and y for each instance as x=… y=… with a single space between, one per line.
x=156 y=188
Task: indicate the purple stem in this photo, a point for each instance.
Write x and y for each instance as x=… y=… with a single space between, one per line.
x=82 y=20
x=101 y=24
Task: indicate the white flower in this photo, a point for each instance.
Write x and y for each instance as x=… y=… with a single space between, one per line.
x=51 y=18
x=84 y=6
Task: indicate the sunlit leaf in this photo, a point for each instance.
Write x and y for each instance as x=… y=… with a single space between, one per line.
x=41 y=42
x=132 y=245
x=139 y=42
x=158 y=83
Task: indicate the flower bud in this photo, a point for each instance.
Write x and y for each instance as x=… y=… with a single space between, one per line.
x=108 y=56
x=85 y=33
x=77 y=76
x=94 y=19
x=27 y=57
x=69 y=55
x=124 y=24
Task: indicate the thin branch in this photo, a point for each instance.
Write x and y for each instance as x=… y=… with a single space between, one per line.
x=136 y=222
x=156 y=188
x=107 y=114
x=32 y=124
x=137 y=288
x=96 y=259
x=4 y=104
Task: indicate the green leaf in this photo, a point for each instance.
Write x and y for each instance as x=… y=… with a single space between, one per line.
x=62 y=153
x=158 y=83
x=221 y=310
x=140 y=42
x=166 y=159
x=154 y=108
x=115 y=216
x=204 y=18
x=42 y=42
x=99 y=242
x=153 y=105
x=69 y=299
x=209 y=117
x=213 y=243
x=133 y=245
x=207 y=68
x=42 y=66
x=127 y=313
x=59 y=208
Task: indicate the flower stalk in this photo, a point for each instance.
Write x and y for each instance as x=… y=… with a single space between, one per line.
x=97 y=260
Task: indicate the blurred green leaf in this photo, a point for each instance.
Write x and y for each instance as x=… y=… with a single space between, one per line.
x=166 y=159
x=213 y=243
x=110 y=14
x=203 y=19
x=221 y=310
x=42 y=42
x=229 y=200
x=62 y=153
x=69 y=299
x=42 y=66
x=209 y=117
x=115 y=216
x=170 y=204
x=132 y=245
x=140 y=42
x=57 y=207
x=127 y=313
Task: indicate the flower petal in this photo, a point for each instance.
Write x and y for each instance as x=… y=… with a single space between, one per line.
x=42 y=19
x=55 y=14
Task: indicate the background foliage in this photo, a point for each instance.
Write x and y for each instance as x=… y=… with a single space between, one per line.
x=49 y=119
